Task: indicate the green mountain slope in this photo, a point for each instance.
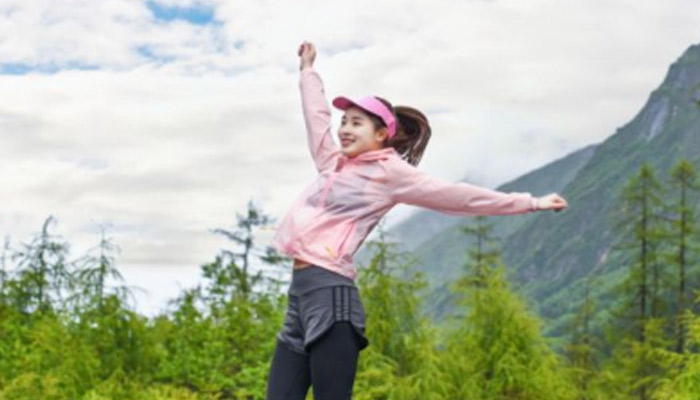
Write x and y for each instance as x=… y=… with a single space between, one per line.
x=550 y=254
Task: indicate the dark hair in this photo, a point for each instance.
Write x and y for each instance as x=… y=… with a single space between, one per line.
x=412 y=131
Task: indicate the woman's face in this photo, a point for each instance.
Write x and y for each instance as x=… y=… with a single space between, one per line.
x=357 y=134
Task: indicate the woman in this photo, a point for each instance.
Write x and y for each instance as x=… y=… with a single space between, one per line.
x=373 y=170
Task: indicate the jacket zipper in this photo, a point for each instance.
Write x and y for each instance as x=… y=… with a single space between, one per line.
x=327 y=187
x=324 y=195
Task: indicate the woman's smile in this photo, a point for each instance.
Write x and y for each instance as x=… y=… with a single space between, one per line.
x=346 y=142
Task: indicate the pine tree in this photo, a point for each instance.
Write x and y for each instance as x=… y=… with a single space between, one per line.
x=481 y=257
x=50 y=350
x=640 y=224
x=89 y=281
x=495 y=350
x=636 y=329
x=223 y=332
x=401 y=361
x=42 y=273
x=581 y=351
x=229 y=272
x=684 y=178
x=683 y=378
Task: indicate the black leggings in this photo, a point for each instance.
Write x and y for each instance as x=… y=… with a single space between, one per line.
x=330 y=365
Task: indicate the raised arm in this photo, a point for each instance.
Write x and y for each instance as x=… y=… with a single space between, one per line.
x=409 y=185
x=317 y=113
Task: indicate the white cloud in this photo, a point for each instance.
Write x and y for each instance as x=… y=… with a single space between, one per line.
x=169 y=147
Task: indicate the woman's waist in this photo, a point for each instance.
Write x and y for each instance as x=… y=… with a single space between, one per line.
x=312 y=277
x=299 y=264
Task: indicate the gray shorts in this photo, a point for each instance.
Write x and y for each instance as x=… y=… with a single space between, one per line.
x=317 y=298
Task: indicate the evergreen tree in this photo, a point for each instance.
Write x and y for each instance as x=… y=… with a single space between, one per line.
x=401 y=361
x=682 y=381
x=640 y=226
x=50 y=350
x=479 y=258
x=684 y=178
x=229 y=272
x=638 y=325
x=42 y=273
x=89 y=280
x=222 y=333
x=581 y=351
x=495 y=350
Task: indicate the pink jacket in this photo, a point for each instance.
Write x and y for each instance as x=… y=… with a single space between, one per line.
x=334 y=214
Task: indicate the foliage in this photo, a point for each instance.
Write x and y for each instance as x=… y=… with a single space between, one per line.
x=68 y=330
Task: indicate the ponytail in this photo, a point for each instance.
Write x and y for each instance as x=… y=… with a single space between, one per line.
x=412 y=132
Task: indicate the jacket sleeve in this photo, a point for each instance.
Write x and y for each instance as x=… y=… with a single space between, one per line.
x=317 y=117
x=409 y=185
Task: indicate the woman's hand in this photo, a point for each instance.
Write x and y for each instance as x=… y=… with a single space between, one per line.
x=307 y=54
x=552 y=202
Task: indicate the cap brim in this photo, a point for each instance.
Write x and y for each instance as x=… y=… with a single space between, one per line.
x=343 y=103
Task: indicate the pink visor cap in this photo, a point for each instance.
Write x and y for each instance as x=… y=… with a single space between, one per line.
x=372 y=105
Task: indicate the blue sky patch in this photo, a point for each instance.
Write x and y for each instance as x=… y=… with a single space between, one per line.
x=198 y=14
x=14 y=69
x=148 y=52
x=23 y=68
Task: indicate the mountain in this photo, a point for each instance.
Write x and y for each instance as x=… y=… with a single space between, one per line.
x=548 y=254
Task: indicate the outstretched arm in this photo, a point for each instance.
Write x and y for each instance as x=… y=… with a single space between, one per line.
x=409 y=185
x=317 y=113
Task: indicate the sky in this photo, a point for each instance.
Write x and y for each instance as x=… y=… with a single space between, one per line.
x=160 y=120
